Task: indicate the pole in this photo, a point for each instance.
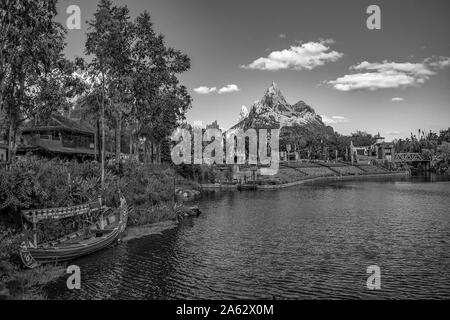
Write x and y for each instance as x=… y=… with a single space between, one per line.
x=34 y=229
x=103 y=131
x=174 y=189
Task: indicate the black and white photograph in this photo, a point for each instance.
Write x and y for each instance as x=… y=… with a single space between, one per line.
x=246 y=152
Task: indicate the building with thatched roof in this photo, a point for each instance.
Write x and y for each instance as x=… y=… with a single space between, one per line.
x=58 y=136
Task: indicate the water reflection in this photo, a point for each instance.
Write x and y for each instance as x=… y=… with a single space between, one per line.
x=312 y=241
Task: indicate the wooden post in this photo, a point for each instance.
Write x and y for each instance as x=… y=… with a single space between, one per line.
x=102 y=226
x=174 y=189
x=34 y=230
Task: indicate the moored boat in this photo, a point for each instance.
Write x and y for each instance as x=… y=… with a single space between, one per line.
x=98 y=236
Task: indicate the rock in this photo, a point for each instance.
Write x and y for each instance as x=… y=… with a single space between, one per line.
x=194 y=211
x=184 y=212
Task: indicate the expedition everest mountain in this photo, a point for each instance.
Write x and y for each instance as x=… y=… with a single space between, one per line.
x=274 y=112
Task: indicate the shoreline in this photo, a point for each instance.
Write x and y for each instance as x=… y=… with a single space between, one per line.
x=305 y=181
x=136 y=232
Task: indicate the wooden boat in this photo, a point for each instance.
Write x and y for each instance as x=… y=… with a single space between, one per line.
x=102 y=234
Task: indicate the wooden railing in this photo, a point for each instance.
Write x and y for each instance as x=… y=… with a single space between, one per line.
x=409 y=157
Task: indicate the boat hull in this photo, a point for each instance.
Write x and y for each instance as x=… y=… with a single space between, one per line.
x=32 y=256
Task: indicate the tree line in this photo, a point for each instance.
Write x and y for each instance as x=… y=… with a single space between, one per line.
x=127 y=83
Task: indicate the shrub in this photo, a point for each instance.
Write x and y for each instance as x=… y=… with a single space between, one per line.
x=40 y=183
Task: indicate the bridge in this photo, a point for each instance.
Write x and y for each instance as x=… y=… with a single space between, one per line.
x=410 y=157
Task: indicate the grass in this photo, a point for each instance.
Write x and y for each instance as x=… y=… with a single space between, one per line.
x=148 y=214
x=28 y=284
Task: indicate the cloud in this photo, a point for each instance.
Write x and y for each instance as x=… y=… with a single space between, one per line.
x=392 y=133
x=384 y=75
x=438 y=62
x=198 y=123
x=208 y=90
x=334 y=119
x=398 y=99
x=282 y=36
x=340 y=119
x=298 y=57
x=229 y=88
x=205 y=90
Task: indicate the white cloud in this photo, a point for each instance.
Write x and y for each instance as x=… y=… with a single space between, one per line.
x=340 y=119
x=398 y=99
x=208 y=90
x=298 y=57
x=229 y=88
x=415 y=69
x=334 y=119
x=439 y=62
x=327 y=120
x=205 y=90
x=282 y=36
x=198 y=124
x=374 y=76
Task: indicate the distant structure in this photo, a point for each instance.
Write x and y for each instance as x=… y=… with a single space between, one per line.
x=213 y=125
x=379 y=151
x=58 y=136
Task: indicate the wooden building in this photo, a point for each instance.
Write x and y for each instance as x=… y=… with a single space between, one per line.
x=58 y=136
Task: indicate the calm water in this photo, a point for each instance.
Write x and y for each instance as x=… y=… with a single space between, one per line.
x=306 y=242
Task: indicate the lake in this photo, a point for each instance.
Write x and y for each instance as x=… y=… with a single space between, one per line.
x=305 y=242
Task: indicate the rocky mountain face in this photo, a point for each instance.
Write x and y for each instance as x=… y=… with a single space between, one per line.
x=273 y=111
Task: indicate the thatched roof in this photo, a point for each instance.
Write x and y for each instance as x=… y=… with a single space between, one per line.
x=58 y=121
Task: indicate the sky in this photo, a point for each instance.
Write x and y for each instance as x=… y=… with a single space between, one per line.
x=394 y=80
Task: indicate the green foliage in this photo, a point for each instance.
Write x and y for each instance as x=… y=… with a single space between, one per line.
x=152 y=184
x=144 y=215
x=14 y=282
x=136 y=76
x=35 y=77
x=199 y=173
x=40 y=183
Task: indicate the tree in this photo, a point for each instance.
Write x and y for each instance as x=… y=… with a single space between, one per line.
x=109 y=40
x=137 y=80
x=160 y=102
x=444 y=150
x=35 y=78
x=88 y=107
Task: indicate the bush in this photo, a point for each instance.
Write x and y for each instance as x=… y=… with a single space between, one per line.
x=199 y=173
x=41 y=183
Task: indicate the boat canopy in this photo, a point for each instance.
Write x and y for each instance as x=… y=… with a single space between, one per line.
x=36 y=215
